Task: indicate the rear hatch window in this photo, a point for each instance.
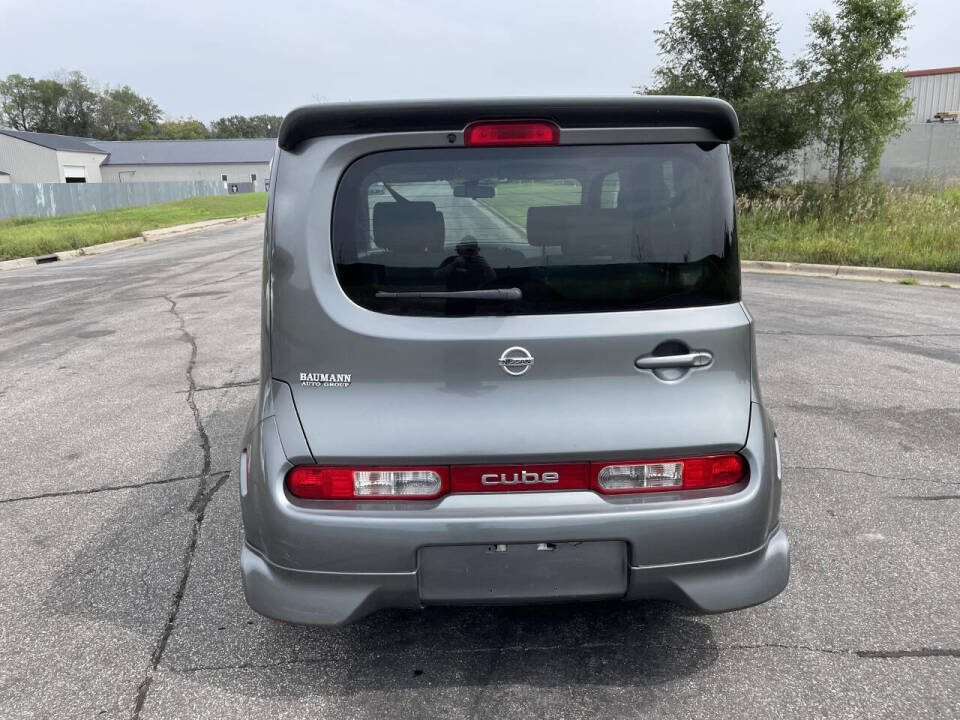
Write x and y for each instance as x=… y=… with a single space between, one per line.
x=537 y=230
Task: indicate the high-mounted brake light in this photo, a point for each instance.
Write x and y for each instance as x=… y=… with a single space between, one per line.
x=318 y=483
x=511 y=133
x=676 y=474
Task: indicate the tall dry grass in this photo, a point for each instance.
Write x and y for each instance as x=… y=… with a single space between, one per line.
x=916 y=227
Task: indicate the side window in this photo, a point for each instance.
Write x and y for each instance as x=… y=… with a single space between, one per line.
x=610 y=191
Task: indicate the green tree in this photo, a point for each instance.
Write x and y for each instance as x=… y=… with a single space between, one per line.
x=183 y=129
x=17 y=101
x=857 y=102
x=48 y=106
x=728 y=49
x=266 y=125
x=228 y=127
x=124 y=115
x=32 y=105
x=80 y=105
x=241 y=126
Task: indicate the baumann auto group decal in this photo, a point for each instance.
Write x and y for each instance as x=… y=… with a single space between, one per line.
x=325 y=380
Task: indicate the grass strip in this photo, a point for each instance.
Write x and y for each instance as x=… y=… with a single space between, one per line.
x=32 y=236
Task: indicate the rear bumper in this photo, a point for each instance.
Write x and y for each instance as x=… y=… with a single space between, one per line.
x=331 y=563
x=334 y=598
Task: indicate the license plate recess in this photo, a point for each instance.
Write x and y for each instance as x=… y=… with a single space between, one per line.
x=522 y=572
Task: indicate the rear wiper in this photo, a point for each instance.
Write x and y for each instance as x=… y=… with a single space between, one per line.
x=503 y=295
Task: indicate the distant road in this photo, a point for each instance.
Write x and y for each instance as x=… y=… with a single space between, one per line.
x=463 y=216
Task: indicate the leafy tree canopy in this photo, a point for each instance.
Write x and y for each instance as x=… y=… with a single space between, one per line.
x=239 y=126
x=728 y=49
x=69 y=104
x=183 y=129
x=858 y=102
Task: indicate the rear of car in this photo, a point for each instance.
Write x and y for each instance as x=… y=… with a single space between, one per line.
x=504 y=359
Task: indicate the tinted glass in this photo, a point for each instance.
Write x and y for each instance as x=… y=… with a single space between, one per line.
x=501 y=231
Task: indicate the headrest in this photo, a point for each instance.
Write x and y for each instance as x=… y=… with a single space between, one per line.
x=583 y=231
x=408 y=227
x=550 y=225
x=644 y=189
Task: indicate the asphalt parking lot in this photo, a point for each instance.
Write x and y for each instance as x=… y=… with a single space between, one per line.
x=125 y=380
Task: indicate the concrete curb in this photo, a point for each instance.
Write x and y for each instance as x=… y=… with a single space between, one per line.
x=850 y=272
x=147 y=237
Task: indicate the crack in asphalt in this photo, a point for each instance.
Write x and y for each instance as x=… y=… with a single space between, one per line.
x=188 y=337
x=920 y=653
x=225 y=386
x=104 y=488
x=872 y=475
x=236 y=275
x=197 y=507
x=497 y=653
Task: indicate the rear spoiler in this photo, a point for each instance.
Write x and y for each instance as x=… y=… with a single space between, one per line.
x=646 y=111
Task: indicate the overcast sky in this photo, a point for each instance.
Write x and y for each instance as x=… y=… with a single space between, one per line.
x=208 y=59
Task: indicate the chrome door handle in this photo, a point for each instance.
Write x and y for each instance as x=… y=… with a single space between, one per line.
x=696 y=359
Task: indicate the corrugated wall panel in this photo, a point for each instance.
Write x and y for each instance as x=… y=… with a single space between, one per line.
x=933 y=94
x=56 y=199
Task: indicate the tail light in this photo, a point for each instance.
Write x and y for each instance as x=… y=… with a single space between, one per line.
x=511 y=133
x=425 y=483
x=317 y=483
x=678 y=474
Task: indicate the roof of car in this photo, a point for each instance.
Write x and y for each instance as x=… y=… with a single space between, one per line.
x=635 y=111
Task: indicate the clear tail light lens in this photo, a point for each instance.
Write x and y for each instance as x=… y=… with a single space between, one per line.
x=675 y=474
x=649 y=476
x=317 y=483
x=422 y=483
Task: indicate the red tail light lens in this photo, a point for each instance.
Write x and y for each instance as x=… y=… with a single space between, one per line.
x=318 y=483
x=511 y=133
x=425 y=483
x=674 y=474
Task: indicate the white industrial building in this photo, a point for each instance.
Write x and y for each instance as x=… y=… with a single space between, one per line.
x=43 y=158
x=27 y=157
x=934 y=92
x=928 y=148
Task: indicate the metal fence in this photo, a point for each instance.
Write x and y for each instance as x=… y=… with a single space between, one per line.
x=56 y=199
x=925 y=151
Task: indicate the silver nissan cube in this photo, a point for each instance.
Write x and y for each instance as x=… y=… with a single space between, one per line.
x=505 y=360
